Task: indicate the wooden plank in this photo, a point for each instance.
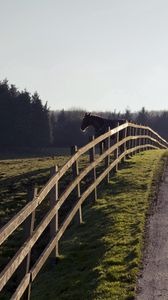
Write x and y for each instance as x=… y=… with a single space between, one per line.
x=138 y=138
x=116 y=153
x=132 y=140
x=107 y=159
x=128 y=142
x=18 y=219
x=28 y=231
x=21 y=288
x=135 y=141
x=54 y=221
x=146 y=127
x=75 y=170
x=11 y=267
x=92 y=159
x=75 y=173
x=125 y=135
x=43 y=257
x=157 y=135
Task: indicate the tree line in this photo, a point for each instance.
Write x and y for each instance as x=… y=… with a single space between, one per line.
x=26 y=122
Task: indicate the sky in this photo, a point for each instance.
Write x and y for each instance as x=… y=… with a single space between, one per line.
x=101 y=55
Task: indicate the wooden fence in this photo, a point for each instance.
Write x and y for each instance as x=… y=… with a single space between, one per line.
x=120 y=142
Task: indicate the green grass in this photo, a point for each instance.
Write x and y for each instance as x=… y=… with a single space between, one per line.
x=101 y=258
x=17 y=175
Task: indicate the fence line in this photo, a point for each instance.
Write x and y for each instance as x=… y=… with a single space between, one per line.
x=130 y=139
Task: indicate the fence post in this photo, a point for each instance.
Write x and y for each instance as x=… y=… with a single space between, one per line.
x=128 y=142
x=107 y=159
x=131 y=141
x=92 y=158
x=139 y=139
x=75 y=173
x=125 y=144
x=145 y=139
x=28 y=228
x=150 y=141
x=116 y=152
x=135 y=141
x=54 y=221
x=101 y=147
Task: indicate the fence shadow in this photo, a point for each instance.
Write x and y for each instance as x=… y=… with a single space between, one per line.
x=81 y=249
x=83 y=252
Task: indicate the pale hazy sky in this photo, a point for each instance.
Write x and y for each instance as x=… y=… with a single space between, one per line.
x=91 y=54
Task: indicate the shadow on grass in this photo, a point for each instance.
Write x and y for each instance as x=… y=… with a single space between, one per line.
x=75 y=276
x=101 y=258
x=22 y=152
x=82 y=266
x=14 y=191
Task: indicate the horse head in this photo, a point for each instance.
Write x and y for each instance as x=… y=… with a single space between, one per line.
x=85 y=121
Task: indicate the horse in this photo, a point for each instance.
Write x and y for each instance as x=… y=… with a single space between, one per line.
x=99 y=124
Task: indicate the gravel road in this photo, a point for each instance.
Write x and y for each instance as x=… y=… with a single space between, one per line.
x=153 y=285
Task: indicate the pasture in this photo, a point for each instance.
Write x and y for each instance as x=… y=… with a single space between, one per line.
x=16 y=177
x=101 y=258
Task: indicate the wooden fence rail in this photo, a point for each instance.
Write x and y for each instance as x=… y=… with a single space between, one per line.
x=116 y=144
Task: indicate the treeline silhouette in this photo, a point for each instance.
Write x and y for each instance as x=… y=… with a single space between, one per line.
x=26 y=122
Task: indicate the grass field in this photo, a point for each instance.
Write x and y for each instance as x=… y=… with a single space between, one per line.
x=101 y=258
x=17 y=175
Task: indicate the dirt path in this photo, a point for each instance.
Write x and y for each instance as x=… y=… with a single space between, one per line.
x=153 y=284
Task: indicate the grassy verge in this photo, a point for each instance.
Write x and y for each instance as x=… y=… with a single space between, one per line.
x=101 y=259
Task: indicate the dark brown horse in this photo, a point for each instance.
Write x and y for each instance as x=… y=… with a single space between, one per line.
x=99 y=124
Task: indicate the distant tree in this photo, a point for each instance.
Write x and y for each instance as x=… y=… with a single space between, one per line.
x=24 y=121
x=5 y=114
x=67 y=129
x=127 y=115
x=143 y=117
x=40 y=129
x=161 y=124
